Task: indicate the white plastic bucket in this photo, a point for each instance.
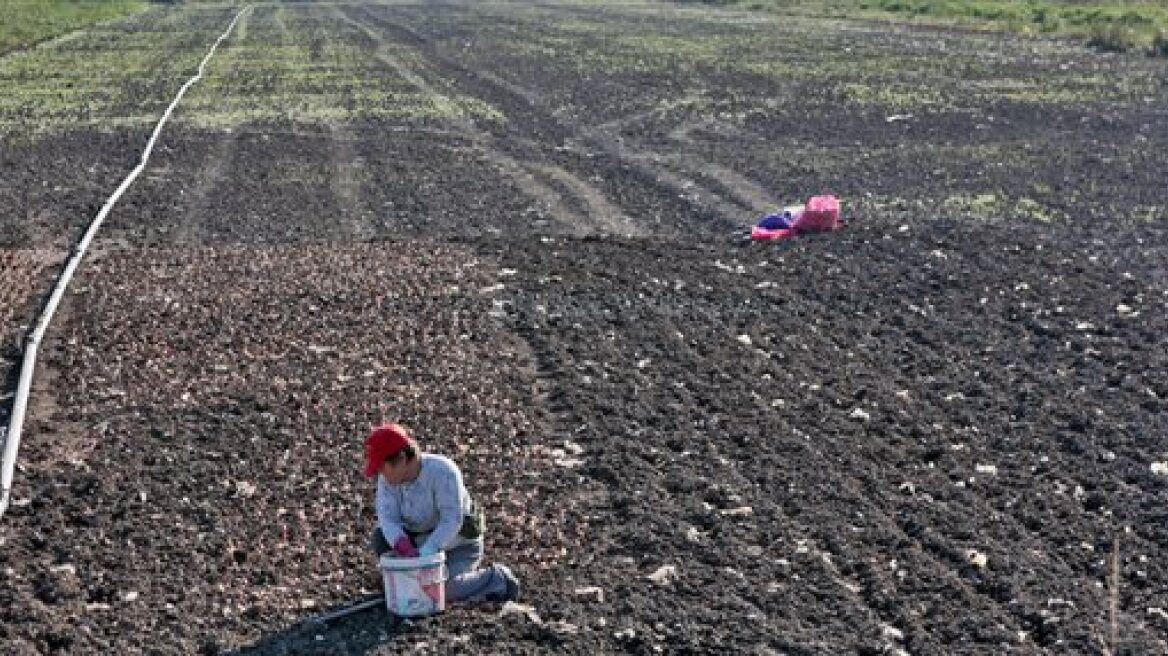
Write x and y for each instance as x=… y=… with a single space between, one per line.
x=415 y=587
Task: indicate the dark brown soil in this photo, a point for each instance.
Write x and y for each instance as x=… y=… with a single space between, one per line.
x=687 y=442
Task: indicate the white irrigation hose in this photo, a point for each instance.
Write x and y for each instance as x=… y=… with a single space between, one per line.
x=20 y=402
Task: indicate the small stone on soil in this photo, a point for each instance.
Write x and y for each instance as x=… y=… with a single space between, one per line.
x=664 y=575
x=596 y=593
x=564 y=628
x=977 y=559
x=892 y=633
x=522 y=610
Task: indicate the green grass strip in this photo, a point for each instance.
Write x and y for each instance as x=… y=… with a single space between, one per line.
x=1117 y=25
x=26 y=22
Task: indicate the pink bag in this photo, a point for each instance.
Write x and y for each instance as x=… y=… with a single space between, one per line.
x=822 y=214
x=766 y=234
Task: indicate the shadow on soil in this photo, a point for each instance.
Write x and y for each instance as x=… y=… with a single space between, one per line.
x=361 y=632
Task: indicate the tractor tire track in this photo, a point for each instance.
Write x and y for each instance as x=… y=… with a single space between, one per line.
x=189 y=224
x=714 y=190
x=633 y=177
x=576 y=206
x=353 y=212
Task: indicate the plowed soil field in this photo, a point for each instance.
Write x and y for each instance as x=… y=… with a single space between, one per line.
x=520 y=229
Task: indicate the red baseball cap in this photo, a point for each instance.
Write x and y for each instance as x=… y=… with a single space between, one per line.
x=382 y=443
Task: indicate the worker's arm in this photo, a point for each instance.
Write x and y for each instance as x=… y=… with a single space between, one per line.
x=388 y=514
x=448 y=491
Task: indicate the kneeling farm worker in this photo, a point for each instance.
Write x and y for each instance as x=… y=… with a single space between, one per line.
x=423 y=507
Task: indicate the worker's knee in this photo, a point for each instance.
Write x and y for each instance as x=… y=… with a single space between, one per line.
x=464 y=558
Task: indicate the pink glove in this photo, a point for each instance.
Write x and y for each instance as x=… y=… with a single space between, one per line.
x=405 y=547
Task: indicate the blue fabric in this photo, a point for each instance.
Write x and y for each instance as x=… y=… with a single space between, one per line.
x=779 y=221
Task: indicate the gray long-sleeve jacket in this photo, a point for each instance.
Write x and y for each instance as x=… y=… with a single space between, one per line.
x=435 y=503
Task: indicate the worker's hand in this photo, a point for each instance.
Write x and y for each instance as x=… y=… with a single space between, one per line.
x=405 y=548
x=427 y=550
